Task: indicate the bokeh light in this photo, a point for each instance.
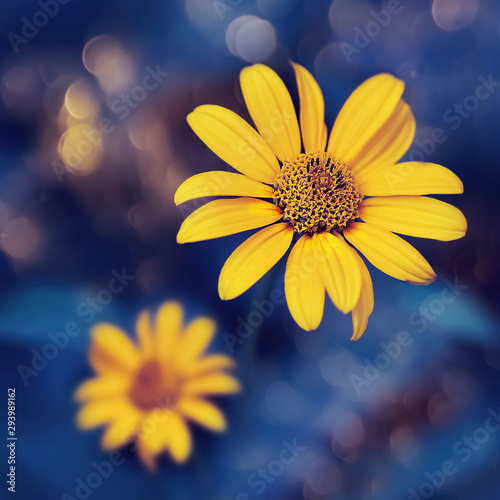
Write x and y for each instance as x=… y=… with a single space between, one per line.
x=81 y=148
x=21 y=239
x=104 y=57
x=80 y=100
x=453 y=15
x=251 y=38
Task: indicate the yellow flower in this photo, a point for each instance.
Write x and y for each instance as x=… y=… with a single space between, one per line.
x=317 y=197
x=147 y=391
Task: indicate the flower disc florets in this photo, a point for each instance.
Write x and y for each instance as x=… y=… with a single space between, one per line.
x=317 y=193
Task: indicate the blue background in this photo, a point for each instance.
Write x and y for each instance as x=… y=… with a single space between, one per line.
x=61 y=239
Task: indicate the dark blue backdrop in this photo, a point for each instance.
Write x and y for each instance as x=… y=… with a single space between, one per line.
x=393 y=416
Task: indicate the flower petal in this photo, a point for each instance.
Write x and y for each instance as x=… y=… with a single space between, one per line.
x=304 y=288
x=197 y=337
x=271 y=109
x=390 y=142
x=312 y=110
x=99 y=412
x=223 y=217
x=364 y=307
x=324 y=134
x=253 y=258
x=178 y=437
x=362 y=115
x=212 y=363
x=339 y=270
x=412 y=178
x=221 y=184
x=415 y=216
x=147 y=456
x=203 y=412
x=391 y=254
x=168 y=328
x=213 y=383
x=102 y=387
x=235 y=141
x=121 y=430
x=145 y=334
x=152 y=436
x=112 y=350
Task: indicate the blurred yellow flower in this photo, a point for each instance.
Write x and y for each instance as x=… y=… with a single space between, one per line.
x=317 y=195
x=146 y=391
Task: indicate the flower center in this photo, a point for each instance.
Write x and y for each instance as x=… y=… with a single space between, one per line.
x=153 y=388
x=317 y=193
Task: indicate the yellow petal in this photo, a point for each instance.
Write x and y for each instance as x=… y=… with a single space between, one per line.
x=324 y=134
x=271 y=109
x=168 y=327
x=210 y=363
x=197 y=337
x=304 y=288
x=102 y=387
x=178 y=437
x=152 y=436
x=364 y=307
x=121 y=430
x=223 y=217
x=148 y=457
x=391 y=141
x=203 y=412
x=221 y=184
x=112 y=350
x=253 y=258
x=391 y=254
x=235 y=141
x=213 y=383
x=164 y=430
x=99 y=412
x=145 y=334
x=364 y=112
x=412 y=178
x=312 y=110
x=415 y=216
x=339 y=270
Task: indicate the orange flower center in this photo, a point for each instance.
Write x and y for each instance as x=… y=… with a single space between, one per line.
x=317 y=193
x=153 y=388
